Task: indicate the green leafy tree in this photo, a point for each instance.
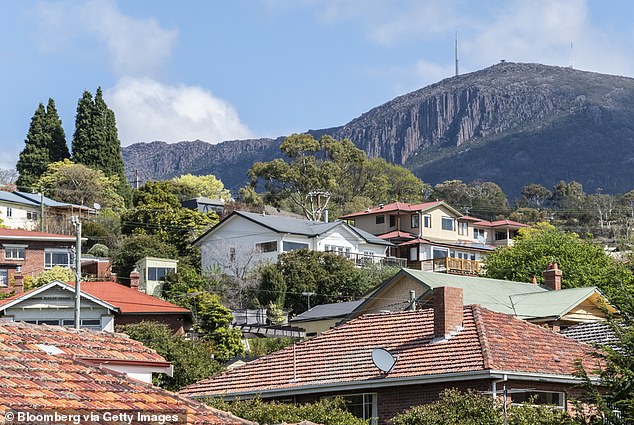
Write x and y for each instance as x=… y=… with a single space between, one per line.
x=78 y=184
x=189 y=186
x=157 y=211
x=325 y=411
x=482 y=199
x=45 y=143
x=272 y=286
x=534 y=196
x=472 y=408
x=192 y=359
x=616 y=370
x=103 y=228
x=455 y=192
x=330 y=277
x=582 y=262
x=62 y=274
x=135 y=247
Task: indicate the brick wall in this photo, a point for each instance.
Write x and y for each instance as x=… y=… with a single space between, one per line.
x=448 y=310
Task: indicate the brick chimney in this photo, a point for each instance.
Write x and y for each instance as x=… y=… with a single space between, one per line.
x=448 y=311
x=135 y=276
x=552 y=277
x=18 y=283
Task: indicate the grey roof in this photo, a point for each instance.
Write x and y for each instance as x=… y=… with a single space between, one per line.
x=523 y=300
x=296 y=226
x=48 y=202
x=205 y=200
x=12 y=197
x=327 y=311
x=591 y=333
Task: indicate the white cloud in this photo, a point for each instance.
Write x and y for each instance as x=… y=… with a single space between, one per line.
x=136 y=46
x=147 y=110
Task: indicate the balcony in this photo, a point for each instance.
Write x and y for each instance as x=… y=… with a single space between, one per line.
x=448 y=265
x=361 y=259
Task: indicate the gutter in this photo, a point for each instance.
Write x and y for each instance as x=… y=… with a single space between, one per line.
x=392 y=382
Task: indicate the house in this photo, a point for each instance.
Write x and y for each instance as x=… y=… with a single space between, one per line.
x=48 y=370
x=153 y=271
x=242 y=239
x=386 y=363
x=30 y=253
x=434 y=235
x=23 y=210
x=103 y=305
x=545 y=304
x=322 y=317
x=205 y=205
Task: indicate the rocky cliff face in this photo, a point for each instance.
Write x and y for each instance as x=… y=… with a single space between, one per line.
x=494 y=124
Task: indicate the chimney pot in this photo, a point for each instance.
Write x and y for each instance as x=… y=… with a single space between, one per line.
x=135 y=277
x=448 y=311
x=552 y=277
x=534 y=280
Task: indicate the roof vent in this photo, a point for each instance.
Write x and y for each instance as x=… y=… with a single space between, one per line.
x=381 y=206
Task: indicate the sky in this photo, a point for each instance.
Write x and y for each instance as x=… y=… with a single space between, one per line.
x=223 y=70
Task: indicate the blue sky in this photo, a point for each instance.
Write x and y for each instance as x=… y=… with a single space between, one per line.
x=223 y=70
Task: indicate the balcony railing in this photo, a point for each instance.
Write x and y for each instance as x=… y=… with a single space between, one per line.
x=449 y=265
x=361 y=259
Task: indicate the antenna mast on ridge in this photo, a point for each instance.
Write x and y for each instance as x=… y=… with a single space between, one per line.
x=456 y=48
x=571 y=57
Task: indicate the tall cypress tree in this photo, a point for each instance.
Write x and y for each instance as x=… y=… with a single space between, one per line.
x=58 y=149
x=96 y=142
x=35 y=157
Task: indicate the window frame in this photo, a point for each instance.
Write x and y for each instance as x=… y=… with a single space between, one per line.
x=51 y=251
x=379 y=219
x=10 y=248
x=561 y=405
x=264 y=247
x=414 y=221
x=367 y=400
x=463 y=228
x=451 y=220
x=305 y=245
x=4 y=278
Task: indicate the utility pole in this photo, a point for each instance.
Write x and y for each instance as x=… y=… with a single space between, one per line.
x=77 y=223
x=41 y=211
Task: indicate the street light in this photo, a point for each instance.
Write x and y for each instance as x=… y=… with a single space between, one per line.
x=308 y=294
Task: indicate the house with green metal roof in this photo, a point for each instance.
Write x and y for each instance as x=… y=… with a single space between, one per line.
x=242 y=240
x=548 y=303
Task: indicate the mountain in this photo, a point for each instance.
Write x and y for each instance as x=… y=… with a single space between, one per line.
x=511 y=123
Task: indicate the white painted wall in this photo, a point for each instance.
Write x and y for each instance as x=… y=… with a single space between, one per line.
x=18 y=219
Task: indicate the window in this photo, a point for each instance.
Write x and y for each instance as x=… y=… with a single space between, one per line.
x=293 y=246
x=232 y=254
x=266 y=246
x=392 y=220
x=158 y=273
x=427 y=221
x=94 y=324
x=533 y=397
x=500 y=236
x=413 y=253
x=479 y=235
x=56 y=257
x=14 y=252
x=9 y=212
x=463 y=227
x=415 y=221
x=380 y=219
x=4 y=278
x=362 y=406
x=31 y=215
x=447 y=223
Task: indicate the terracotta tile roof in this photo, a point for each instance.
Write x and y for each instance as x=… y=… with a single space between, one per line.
x=489 y=341
x=396 y=234
x=396 y=206
x=27 y=234
x=129 y=300
x=34 y=380
x=498 y=223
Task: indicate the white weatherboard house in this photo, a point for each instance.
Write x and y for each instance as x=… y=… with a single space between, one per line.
x=242 y=240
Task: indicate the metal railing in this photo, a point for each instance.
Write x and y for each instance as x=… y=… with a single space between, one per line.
x=451 y=265
x=361 y=259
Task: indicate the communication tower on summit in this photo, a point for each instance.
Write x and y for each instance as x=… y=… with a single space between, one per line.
x=456 y=50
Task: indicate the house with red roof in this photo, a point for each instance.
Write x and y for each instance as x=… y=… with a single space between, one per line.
x=387 y=363
x=30 y=253
x=52 y=369
x=103 y=305
x=435 y=236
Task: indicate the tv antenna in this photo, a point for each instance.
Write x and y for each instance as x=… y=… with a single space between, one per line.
x=571 y=57
x=383 y=360
x=456 y=52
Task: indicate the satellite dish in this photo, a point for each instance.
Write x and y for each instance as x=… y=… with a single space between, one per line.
x=383 y=360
